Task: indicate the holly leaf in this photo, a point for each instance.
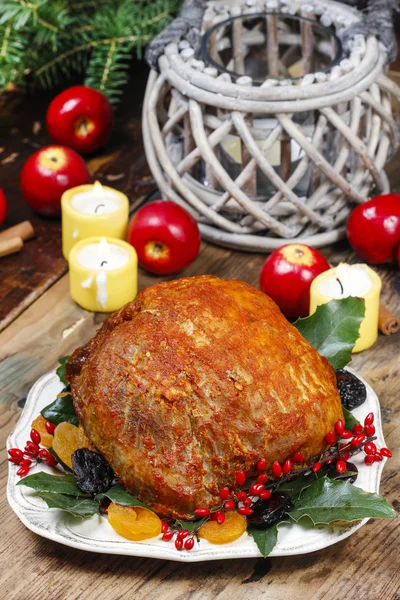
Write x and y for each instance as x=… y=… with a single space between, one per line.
x=79 y=507
x=61 y=369
x=333 y=329
x=56 y=484
x=119 y=495
x=328 y=500
x=349 y=419
x=62 y=409
x=295 y=487
x=264 y=538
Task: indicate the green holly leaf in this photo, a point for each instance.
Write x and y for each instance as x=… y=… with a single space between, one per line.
x=264 y=538
x=333 y=329
x=62 y=409
x=119 y=495
x=61 y=369
x=79 y=507
x=349 y=419
x=328 y=500
x=56 y=484
x=296 y=486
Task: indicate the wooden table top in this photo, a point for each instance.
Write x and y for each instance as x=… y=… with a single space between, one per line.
x=41 y=323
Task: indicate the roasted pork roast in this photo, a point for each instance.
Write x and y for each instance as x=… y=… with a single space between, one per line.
x=194 y=380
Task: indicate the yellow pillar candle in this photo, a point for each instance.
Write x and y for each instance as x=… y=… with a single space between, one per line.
x=92 y=210
x=103 y=273
x=351 y=280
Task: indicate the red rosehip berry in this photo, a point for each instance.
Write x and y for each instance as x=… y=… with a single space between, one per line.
x=316 y=467
x=50 y=427
x=369 y=419
x=369 y=430
x=370 y=448
x=345 y=456
x=15 y=461
x=248 y=502
x=25 y=462
x=35 y=436
x=182 y=534
x=202 y=512
x=330 y=437
x=298 y=457
x=44 y=454
x=214 y=515
x=51 y=461
x=178 y=544
x=287 y=466
x=164 y=527
x=240 y=477
x=276 y=469
x=346 y=435
x=339 y=426
x=330 y=461
x=241 y=496
x=168 y=535
x=23 y=471
x=263 y=478
x=385 y=452
x=229 y=505
x=265 y=495
x=357 y=429
x=224 y=493
x=16 y=453
x=261 y=465
x=220 y=518
x=255 y=489
x=340 y=466
x=31 y=448
x=189 y=543
x=357 y=440
x=245 y=511
x=369 y=459
x=378 y=456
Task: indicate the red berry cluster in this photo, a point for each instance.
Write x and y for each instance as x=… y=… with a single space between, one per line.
x=184 y=539
x=32 y=453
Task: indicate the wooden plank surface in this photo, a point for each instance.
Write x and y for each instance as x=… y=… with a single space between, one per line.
x=121 y=164
x=364 y=567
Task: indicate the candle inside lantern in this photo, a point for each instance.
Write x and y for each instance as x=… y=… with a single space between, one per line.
x=351 y=280
x=92 y=210
x=103 y=274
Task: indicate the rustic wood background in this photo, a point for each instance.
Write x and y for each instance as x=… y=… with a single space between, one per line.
x=40 y=323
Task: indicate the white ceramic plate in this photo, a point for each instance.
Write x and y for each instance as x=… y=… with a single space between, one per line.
x=94 y=534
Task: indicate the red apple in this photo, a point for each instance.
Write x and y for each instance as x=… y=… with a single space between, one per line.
x=47 y=174
x=80 y=117
x=3 y=206
x=287 y=274
x=165 y=236
x=373 y=228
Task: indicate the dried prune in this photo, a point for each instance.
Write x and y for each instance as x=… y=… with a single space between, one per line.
x=93 y=474
x=269 y=512
x=352 y=391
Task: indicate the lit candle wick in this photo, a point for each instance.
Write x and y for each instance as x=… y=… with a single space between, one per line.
x=98 y=206
x=341 y=287
x=104 y=263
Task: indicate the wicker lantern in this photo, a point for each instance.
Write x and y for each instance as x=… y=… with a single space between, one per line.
x=275 y=134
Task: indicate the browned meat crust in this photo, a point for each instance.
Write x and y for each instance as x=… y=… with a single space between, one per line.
x=195 y=379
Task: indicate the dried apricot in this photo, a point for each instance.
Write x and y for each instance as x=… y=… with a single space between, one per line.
x=133 y=522
x=40 y=425
x=68 y=439
x=229 y=531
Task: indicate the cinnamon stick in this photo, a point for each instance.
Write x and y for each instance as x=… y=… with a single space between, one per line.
x=23 y=230
x=10 y=246
x=388 y=323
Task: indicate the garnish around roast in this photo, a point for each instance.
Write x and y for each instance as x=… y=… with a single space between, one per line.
x=93 y=474
x=352 y=391
x=195 y=380
x=269 y=512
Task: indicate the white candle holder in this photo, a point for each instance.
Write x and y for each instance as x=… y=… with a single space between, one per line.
x=272 y=80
